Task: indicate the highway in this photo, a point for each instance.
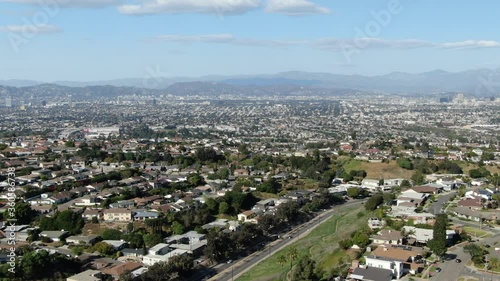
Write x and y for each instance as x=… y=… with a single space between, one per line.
x=230 y=272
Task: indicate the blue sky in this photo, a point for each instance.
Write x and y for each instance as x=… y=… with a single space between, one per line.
x=87 y=40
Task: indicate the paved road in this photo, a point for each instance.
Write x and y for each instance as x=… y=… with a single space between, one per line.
x=236 y=269
x=436 y=207
x=452 y=270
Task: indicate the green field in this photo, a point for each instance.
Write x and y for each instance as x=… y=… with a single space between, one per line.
x=321 y=244
x=476 y=232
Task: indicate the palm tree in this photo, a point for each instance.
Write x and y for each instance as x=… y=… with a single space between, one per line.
x=281 y=260
x=292 y=255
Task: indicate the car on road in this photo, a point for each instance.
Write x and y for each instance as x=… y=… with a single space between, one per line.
x=458 y=260
x=229 y=261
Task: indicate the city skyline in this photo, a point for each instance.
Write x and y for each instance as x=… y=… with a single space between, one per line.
x=100 y=40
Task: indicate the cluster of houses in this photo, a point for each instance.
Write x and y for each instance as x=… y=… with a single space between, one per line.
x=398 y=253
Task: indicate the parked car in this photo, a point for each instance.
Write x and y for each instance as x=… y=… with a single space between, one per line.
x=438 y=269
x=458 y=260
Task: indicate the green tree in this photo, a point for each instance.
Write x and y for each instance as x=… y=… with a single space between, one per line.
x=223 y=208
x=373 y=202
x=418 y=177
x=292 y=255
x=70 y=221
x=103 y=248
x=438 y=242
x=135 y=240
x=178 y=228
x=361 y=239
x=405 y=183
x=212 y=204
x=405 y=163
x=152 y=239
x=281 y=260
x=69 y=144
x=111 y=234
x=306 y=270
x=353 y=192
x=476 y=253
x=23 y=212
x=287 y=211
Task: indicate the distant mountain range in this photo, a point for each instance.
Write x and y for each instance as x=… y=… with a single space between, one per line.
x=482 y=82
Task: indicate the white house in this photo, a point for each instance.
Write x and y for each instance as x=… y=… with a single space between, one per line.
x=422 y=235
x=159 y=249
x=397 y=258
x=412 y=197
x=151 y=259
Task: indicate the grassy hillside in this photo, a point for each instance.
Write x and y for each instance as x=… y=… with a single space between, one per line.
x=321 y=244
x=378 y=170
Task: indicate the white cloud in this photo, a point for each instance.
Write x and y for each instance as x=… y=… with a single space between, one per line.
x=29 y=29
x=338 y=44
x=295 y=7
x=471 y=44
x=67 y=3
x=328 y=44
x=215 y=7
x=224 y=39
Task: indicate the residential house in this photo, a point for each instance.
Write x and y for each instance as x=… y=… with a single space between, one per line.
x=241 y=173
x=88 y=214
x=477 y=216
x=55 y=236
x=116 y=244
x=123 y=204
x=118 y=214
x=248 y=216
x=87 y=201
x=398 y=259
x=88 y=240
x=159 y=249
x=411 y=197
x=485 y=194
x=116 y=270
x=423 y=235
x=368 y=273
x=145 y=215
x=426 y=189
x=87 y=275
x=150 y=259
x=471 y=203
x=376 y=223
x=388 y=236
x=133 y=253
